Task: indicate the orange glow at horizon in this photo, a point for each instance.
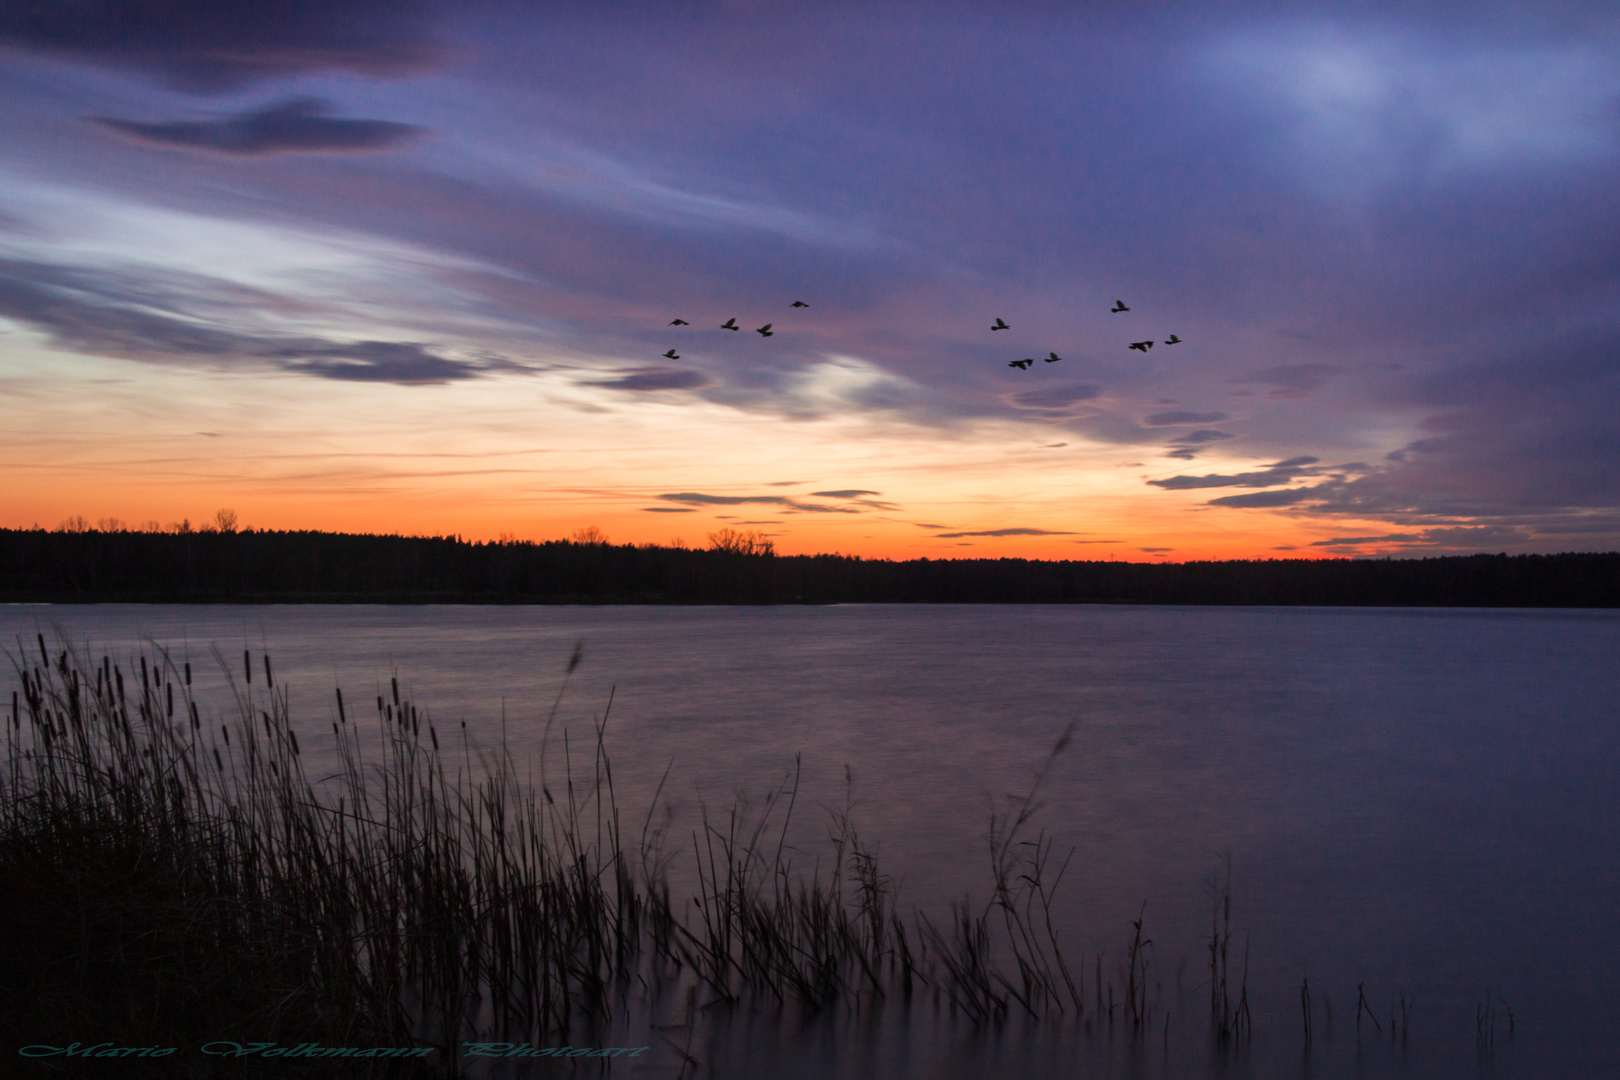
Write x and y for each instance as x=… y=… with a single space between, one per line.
x=536 y=459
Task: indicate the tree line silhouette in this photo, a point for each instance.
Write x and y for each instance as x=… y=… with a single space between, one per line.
x=264 y=566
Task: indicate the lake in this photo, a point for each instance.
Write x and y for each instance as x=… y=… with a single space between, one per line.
x=1414 y=802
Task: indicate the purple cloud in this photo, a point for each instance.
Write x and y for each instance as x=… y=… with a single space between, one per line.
x=1289 y=381
x=208 y=46
x=1202 y=437
x=1167 y=419
x=655 y=379
x=1056 y=397
x=299 y=125
x=1267 y=499
x=695 y=498
x=1282 y=472
x=105 y=315
x=1005 y=532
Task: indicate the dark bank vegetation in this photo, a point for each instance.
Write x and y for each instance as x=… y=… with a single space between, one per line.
x=219 y=566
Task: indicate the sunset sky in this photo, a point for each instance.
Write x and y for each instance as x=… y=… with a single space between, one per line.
x=391 y=266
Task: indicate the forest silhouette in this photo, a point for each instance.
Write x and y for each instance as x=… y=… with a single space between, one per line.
x=261 y=566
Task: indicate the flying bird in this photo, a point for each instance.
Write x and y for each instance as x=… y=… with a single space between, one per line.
x=730 y=324
x=1141 y=346
x=1020 y=364
x=671 y=355
x=1052 y=358
x=1172 y=340
x=765 y=331
x=999 y=324
x=1119 y=305
x=680 y=322
x=799 y=303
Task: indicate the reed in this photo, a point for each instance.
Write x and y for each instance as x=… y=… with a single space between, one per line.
x=1229 y=1020
x=174 y=880
x=1305 y=1008
x=426 y=893
x=1487 y=1014
x=1363 y=1006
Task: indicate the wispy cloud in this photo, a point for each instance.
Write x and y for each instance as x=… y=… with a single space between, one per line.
x=695 y=498
x=1347 y=541
x=1202 y=437
x=296 y=126
x=1290 y=381
x=1262 y=500
x=1456 y=537
x=1056 y=397
x=85 y=315
x=1283 y=472
x=202 y=46
x=654 y=379
x=1005 y=532
x=1168 y=419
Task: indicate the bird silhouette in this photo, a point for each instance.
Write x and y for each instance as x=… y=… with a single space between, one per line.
x=1141 y=346
x=1052 y=358
x=765 y=331
x=1119 y=305
x=730 y=324
x=799 y=303
x=680 y=322
x=1172 y=340
x=671 y=355
x=1020 y=364
x=999 y=324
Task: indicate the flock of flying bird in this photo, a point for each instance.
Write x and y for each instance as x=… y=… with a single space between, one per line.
x=1000 y=324
x=731 y=324
x=1052 y=357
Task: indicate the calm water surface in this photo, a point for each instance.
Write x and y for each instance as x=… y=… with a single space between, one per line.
x=1420 y=802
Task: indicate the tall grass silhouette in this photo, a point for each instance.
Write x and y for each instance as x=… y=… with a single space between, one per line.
x=175 y=878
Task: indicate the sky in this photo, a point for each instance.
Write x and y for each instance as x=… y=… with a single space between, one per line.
x=396 y=266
